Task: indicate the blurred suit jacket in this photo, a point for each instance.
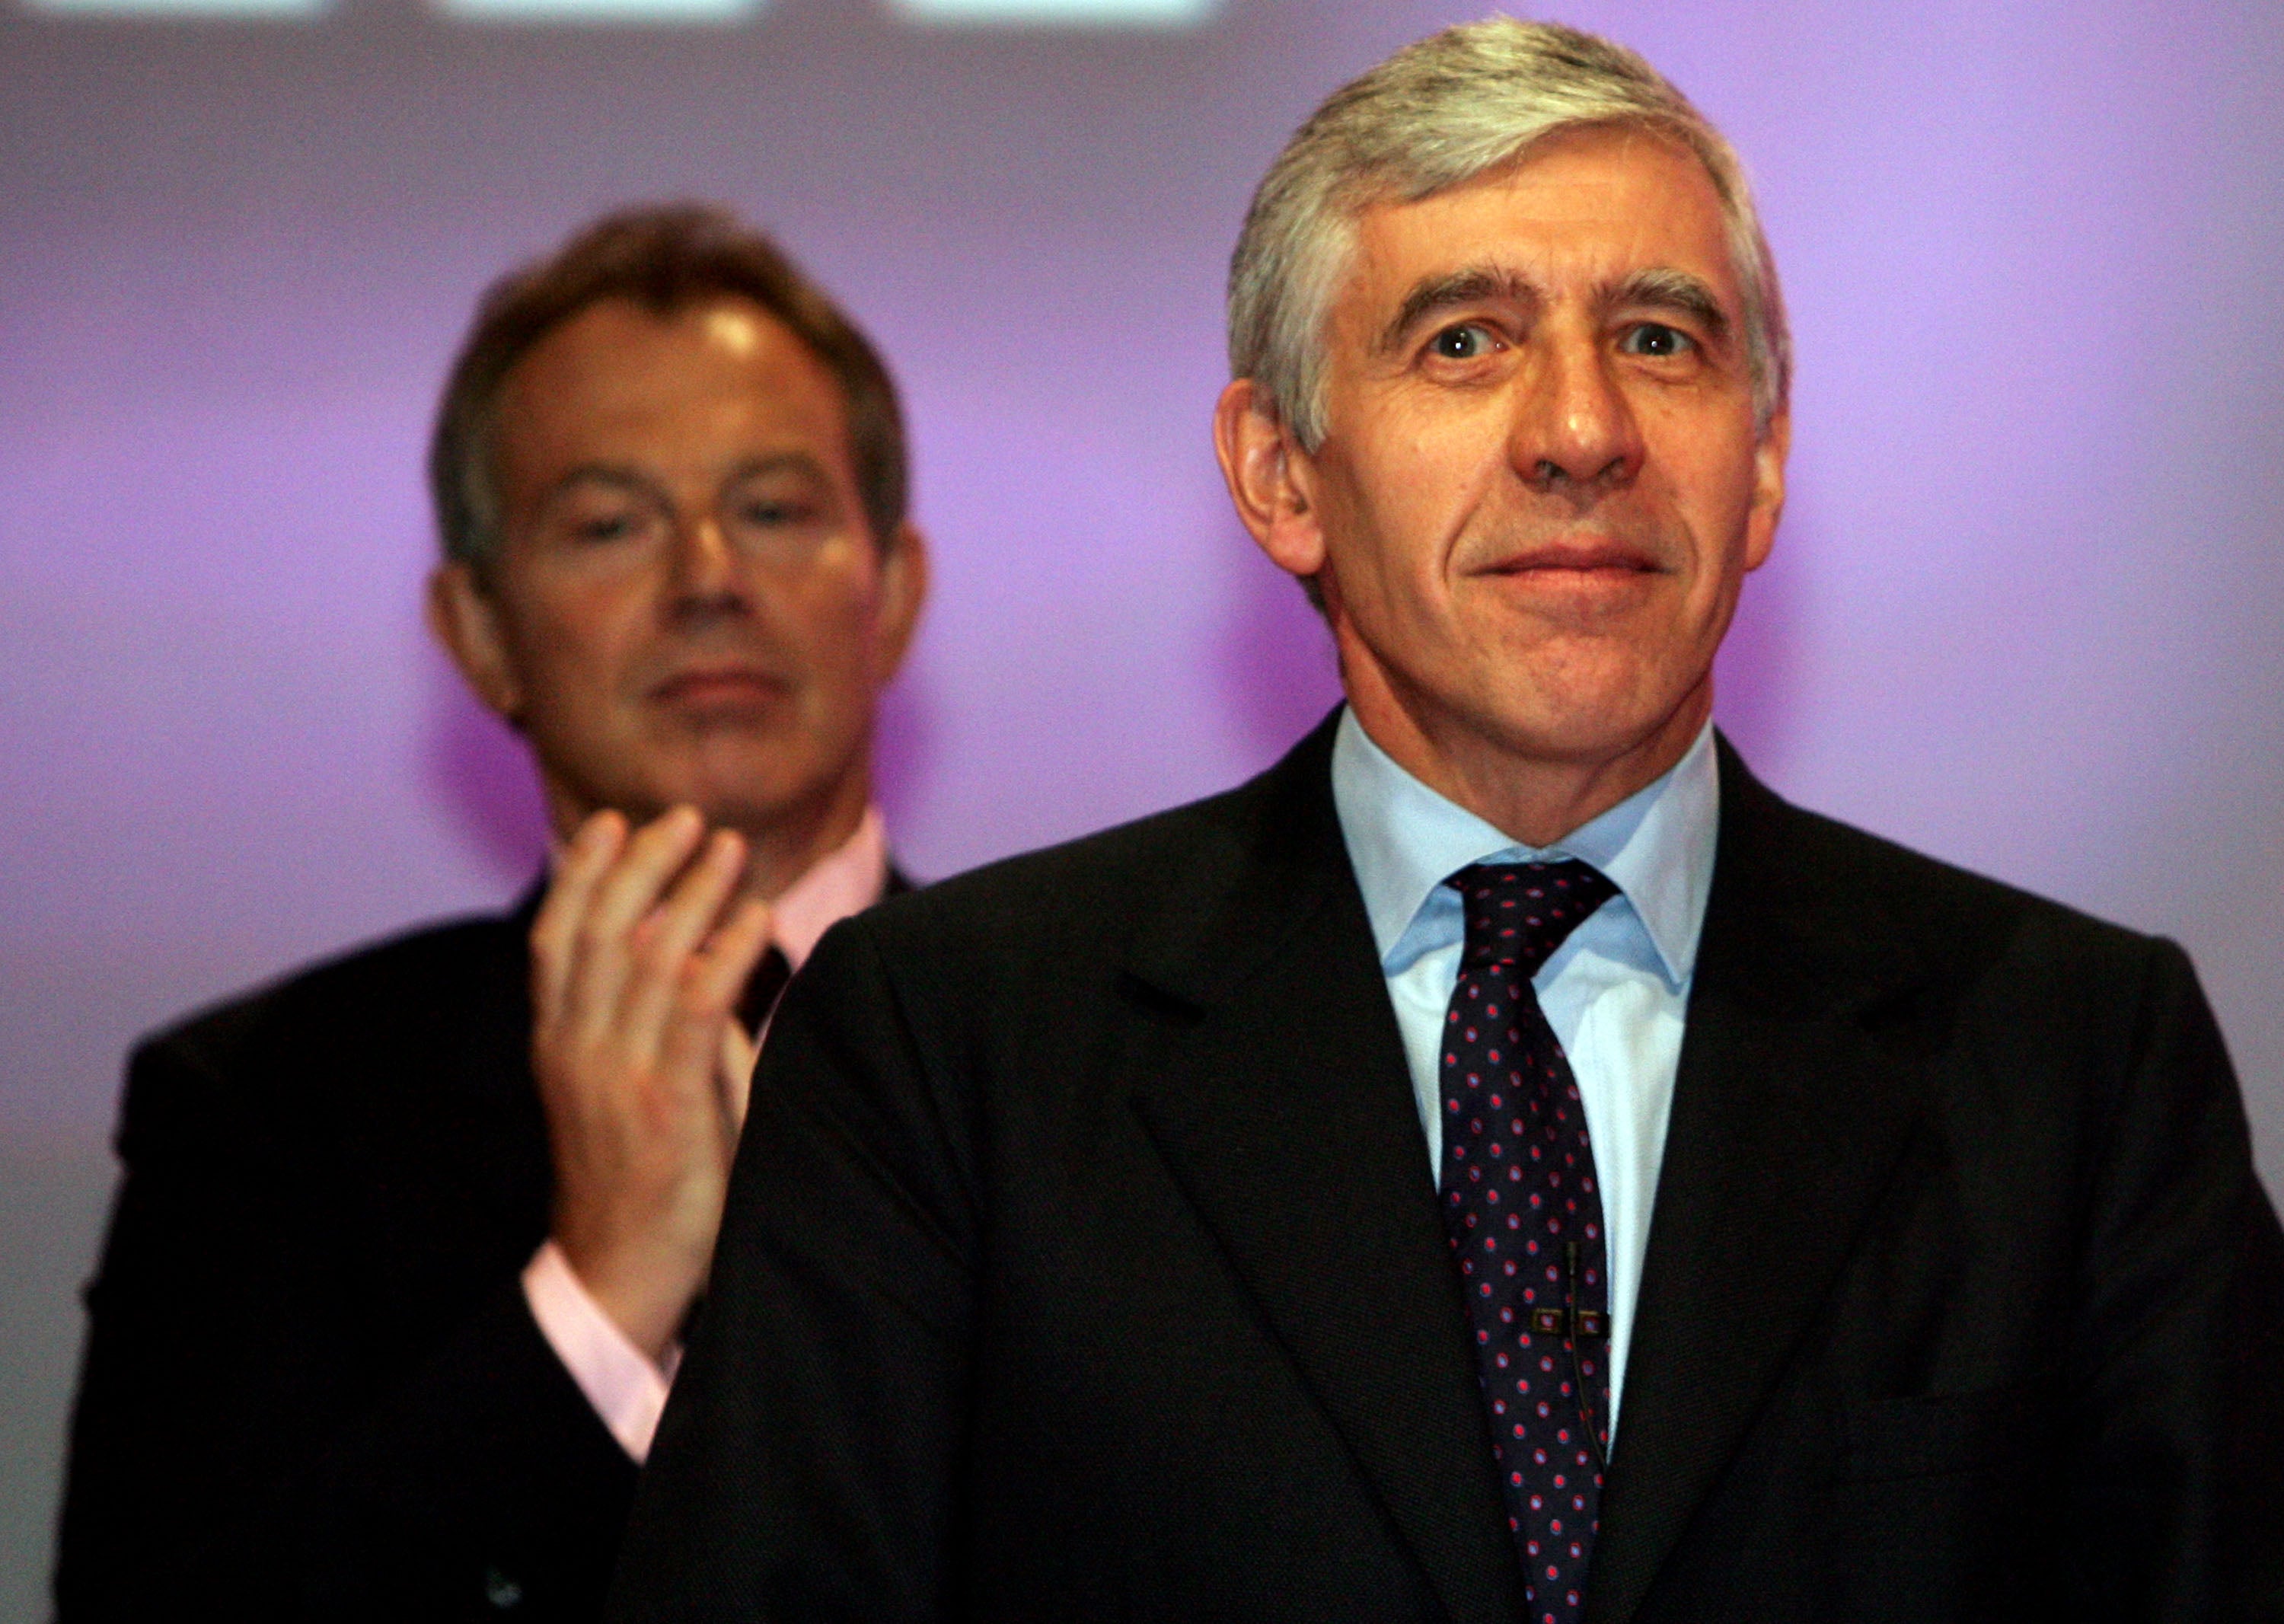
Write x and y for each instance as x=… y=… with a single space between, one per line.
x=1083 y=1262
x=312 y=1387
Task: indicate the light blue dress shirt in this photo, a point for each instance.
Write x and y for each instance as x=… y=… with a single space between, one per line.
x=1616 y=992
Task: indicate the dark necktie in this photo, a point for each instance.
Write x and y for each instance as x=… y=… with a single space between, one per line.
x=763 y=987
x=1525 y=1220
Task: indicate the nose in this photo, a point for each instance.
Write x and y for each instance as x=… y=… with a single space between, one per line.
x=1574 y=431
x=704 y=577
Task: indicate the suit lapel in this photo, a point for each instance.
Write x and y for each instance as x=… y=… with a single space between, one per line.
x=1787 y=1118
x=1283 y=1106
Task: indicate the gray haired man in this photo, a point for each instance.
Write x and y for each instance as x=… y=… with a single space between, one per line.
x=1503 y=1162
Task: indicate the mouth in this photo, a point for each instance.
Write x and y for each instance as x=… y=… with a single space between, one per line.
x=1577 y=563
x=707 y=687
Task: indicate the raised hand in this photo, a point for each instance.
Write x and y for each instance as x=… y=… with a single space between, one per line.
x=638 y=956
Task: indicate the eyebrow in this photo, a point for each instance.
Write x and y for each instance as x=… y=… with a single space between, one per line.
x=1657 y=288
x=1661 y=289
x=778 y=462
x=598 y=474
x=1471 y=286
x=634 y=480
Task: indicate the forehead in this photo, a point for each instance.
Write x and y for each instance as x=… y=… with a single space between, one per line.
x=618 y=382
x=1581 y=210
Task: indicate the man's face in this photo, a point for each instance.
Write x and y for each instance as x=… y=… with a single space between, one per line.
x=1541 y=486
x=688 y=606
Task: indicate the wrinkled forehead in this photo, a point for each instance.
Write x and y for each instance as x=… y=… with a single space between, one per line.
x=1585 y=209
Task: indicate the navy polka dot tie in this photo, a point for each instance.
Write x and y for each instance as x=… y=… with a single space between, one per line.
x=1525 y=1221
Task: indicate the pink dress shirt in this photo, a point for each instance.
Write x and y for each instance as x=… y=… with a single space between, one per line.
x=626 y=1389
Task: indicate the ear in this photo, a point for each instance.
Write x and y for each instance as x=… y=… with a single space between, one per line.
x=1768 y=490
x=1270 y=478
x=466 y=619
x=904 y=589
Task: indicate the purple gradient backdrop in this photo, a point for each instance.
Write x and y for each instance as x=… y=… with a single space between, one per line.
x=2023 y=612
x=2022 y=608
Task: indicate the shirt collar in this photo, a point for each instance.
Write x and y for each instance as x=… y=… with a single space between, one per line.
x=846 y=880
x=1403 y=841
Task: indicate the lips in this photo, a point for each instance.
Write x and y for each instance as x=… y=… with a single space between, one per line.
x=708 y=685
x=1581 y=559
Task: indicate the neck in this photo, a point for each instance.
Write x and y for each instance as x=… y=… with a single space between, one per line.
x=786 y=846
x=1533 y=794
x=780 y=846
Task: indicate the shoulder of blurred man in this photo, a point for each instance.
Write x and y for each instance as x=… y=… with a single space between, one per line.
x=457 y=984
x=329 y=1188
x=332 y=1184
x=387 y=1087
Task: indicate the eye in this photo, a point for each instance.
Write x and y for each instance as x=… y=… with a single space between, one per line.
x=1655 y=339
x=781 y=517
x=1467 y=341
x=603 y=528
x=771 y=512
x=597 y=516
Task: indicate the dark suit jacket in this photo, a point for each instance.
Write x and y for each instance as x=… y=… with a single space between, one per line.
x=312 y=1387
x=1083 y=1262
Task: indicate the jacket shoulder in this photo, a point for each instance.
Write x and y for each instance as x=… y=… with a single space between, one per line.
x=1829 y=880
x=420 y=975
x=438 y=1010
x=1081 y=897
x=1938 y=891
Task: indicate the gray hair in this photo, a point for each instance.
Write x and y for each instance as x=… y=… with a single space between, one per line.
x=1437 y=114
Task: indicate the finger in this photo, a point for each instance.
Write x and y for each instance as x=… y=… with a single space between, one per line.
x=626 y=891
x=570 y=891
x=665 y=937
x=707 y=993
x=739 y=1054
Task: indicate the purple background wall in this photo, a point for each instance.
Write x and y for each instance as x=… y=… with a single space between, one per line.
x=2024 y=612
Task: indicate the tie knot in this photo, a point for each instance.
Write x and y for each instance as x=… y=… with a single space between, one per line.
x=1519 y=912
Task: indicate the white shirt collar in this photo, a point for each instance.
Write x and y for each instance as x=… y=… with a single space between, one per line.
x=1404 y=840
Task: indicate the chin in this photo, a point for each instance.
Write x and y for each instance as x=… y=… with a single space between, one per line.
x=752 y=790
x=1586 y=723
x=746 y=805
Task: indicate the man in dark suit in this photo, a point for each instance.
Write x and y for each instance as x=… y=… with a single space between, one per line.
x=395 y=1287
x=1503 y=1162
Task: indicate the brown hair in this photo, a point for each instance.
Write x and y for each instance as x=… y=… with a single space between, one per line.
x=665 y=259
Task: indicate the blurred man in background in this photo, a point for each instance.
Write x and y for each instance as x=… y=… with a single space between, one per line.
x=394 y=1286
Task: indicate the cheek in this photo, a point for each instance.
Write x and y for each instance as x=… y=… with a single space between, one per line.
x=578 y=639
x=1711 y=497
x=1392 y=519
x=834 y=622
